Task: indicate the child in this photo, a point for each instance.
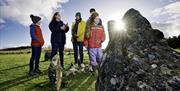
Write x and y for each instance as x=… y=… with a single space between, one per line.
x=78 y=30
x=94 y=37
x=37 y=42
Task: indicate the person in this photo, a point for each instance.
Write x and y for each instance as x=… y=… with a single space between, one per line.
x=92 y=10
x=78 y=30
x=94 y=41
x=58 y=36
x=37 y=42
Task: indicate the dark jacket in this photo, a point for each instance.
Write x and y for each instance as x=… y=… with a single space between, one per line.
x=58 y=35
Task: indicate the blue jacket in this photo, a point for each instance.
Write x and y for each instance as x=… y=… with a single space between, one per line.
x=58 y=35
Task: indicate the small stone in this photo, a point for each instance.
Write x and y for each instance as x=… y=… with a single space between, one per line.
x=153 y=66
x=113 y=81
x=151 y=57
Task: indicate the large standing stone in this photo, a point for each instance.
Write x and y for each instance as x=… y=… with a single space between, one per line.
x=138 y=59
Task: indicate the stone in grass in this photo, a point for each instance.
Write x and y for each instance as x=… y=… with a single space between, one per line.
x=55 y=73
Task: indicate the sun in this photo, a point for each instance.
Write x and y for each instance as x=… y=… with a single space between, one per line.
x=119 y=25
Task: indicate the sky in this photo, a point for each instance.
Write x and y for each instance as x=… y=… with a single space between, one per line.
x=14 y=16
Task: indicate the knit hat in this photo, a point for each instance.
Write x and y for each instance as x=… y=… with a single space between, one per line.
x=35 y=19
x=78 y=14
x=92 y=10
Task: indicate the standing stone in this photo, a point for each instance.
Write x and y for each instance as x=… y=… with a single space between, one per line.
x=138 y=59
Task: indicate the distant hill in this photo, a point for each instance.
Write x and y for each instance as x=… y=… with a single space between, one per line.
x=16 y=48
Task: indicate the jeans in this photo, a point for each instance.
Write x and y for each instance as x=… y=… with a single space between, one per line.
x=78 y=48
x=36 y=53
x=58 y=47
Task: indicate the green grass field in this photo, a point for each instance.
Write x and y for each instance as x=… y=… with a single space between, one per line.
x=14 y=75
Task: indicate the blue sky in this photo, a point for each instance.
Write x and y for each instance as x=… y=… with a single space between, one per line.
x=15 y=21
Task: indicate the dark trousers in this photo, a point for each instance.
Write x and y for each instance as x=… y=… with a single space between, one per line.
x=58 y=47
x=36 y=53
x=78 y=47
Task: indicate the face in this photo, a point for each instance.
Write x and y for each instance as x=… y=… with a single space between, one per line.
x=38 y=23
x=96 y=20
x=77 y=17
x=92 y=12
x=58 y=17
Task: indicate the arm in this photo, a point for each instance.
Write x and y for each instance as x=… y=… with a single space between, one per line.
x=86 y=42
x=103 y=37
x=87 y=30
x=32 y=33
x=67 y=29
x=54 y=27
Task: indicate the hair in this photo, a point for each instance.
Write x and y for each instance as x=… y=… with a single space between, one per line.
x=53 y=18
x=93 y=16
x=92 y=10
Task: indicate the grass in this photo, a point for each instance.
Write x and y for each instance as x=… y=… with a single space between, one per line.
x=14 y=69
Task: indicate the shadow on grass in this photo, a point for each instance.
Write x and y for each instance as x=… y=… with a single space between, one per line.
x=14 y=67
x=14 y=82
x=19 y=66
x=80 y=82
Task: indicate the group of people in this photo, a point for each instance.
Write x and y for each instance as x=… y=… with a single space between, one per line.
x=90 y=34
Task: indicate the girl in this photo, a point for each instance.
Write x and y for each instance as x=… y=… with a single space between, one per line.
x=36 y=44
x=94 y=37
x=58 y=36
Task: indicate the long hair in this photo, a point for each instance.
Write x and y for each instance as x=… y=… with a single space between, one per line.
x=53 y=18
x=93 y=16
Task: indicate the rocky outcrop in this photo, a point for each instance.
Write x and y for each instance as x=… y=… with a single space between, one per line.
x=138 y=58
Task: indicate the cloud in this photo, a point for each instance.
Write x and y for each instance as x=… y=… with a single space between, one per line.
x=19 y=10
x=171 y=26
x=168 y=29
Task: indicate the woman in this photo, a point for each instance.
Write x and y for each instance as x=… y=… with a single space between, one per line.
x=58 y=36
x=78 y=30
x=37 y=42
x=93 y=39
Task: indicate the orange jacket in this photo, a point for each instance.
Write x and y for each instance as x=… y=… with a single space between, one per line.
x=36 y=35
x=97 y=36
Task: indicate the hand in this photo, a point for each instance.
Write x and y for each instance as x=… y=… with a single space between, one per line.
x=86 y=46
x=75 y=36
x=63 y=27
x=66 y=24
x=98 y=42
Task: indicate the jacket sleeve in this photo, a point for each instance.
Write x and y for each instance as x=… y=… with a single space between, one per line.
x=67 y=29
x=54 y=27
x=103 y=37
x=87 y=29
x=32 y=33
x=72 y=26
x=86 y=39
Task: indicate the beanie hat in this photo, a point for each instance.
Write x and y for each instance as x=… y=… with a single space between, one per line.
x=35 y=19
x=78 y=14
x=92 y=10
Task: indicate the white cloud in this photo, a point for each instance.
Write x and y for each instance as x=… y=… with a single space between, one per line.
x=171 y=26
x=168 y=29
x=19 y=10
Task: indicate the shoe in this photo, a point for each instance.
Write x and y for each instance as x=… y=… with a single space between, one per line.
x=82 y=65
x=90 y=69
x=38 y=71
x=32 y=73
x=76 y=66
